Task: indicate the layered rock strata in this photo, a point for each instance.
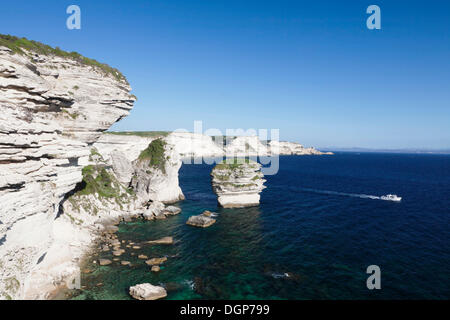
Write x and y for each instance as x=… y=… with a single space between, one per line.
x=237 y=183
x=53 y=107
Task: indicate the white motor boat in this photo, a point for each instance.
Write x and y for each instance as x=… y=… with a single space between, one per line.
x=391 y=197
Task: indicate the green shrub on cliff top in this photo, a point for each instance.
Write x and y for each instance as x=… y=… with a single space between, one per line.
x=155 y=153
x=21 y=45
x=232 y=164
x=97 y=180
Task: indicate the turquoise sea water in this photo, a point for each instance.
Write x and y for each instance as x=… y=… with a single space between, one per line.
x=317 y=229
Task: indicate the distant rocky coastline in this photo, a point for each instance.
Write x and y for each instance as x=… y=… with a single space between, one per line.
x=197 y=145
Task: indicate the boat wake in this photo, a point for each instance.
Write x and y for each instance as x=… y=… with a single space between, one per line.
x=388 y=197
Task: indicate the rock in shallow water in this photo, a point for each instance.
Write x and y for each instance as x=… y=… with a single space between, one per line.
x=156 y=261
x=171 y=211
x=155 y=269
x=146 y=291
x=157 y=210
x=165 y=240
x=203 y=220
x=119 y=252
x=104 y=262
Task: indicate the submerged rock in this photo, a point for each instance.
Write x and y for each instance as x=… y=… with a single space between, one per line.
x=119 y=252
x=156 y=261
x=238 y=183
x=202 y=220
x=155 y=269
x=104 y=262
x=165 y=240
x=146 y=291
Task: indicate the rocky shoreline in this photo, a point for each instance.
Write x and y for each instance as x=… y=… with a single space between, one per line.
x=62 y=181
x=107 y=242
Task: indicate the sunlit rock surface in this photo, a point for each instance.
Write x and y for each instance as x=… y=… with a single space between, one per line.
x=238 y=183
x=52 y=109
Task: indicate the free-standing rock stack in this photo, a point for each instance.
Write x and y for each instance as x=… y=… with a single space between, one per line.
x=238 y=183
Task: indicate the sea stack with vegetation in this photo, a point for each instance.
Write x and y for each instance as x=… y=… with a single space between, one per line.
x=156 y=173
x=237 y=183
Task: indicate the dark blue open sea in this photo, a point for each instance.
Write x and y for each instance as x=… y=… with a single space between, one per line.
x=315 y=223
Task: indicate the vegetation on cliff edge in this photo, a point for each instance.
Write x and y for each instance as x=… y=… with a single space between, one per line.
x=22 y=45
x=233 y=164
x=155 y=153
x=99 y=182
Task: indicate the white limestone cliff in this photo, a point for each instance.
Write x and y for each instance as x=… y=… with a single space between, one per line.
x=195 y=145
x=128 y=145
x=150 y=183
x=52 y=109
x=292 y=148
x=249 y=146
x=188 y=144
x=155 y=174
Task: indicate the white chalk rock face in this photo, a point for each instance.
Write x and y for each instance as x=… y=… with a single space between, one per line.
x=155 y=175
x=238 y=183
x=292 y=148
x=194 y=145
x=128 y=145
x=122 y=167
x=52 y=109
x=146 y=291
x=151 y=182
x=246 y=147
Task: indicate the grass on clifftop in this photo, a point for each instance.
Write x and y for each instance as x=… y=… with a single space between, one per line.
x=233 y=164
x=21 y=45
x=150 y=134
x=98 y=181
x=155 y=153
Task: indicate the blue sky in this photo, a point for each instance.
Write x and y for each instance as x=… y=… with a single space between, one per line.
x=309 y=68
